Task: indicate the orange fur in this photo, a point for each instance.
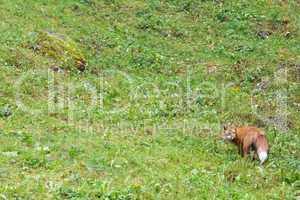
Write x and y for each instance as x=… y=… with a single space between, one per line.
x=246 y=139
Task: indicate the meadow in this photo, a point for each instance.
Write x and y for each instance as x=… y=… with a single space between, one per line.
x=122 y=100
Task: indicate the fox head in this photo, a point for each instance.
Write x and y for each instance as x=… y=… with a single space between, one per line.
x=229 y=133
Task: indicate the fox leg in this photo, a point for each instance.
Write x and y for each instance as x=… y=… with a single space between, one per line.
x=255 y=156
x=240 y=149
x=245 y=151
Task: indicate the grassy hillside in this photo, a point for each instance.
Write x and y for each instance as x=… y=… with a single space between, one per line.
x=143 y=120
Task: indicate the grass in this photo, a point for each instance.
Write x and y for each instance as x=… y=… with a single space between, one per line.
x=143 y=120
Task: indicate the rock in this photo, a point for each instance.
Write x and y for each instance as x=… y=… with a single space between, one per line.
x=263 y=34
x=10 y=153
x=61 y=48
x=5 y=112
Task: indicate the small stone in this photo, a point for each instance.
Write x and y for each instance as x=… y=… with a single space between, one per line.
x=287 y=34
x=57 y=69
x=5 y=112
x=194 y=172
x=10 y=153
x=263 y=34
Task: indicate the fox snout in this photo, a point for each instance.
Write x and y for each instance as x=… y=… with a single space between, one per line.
x=228 y=137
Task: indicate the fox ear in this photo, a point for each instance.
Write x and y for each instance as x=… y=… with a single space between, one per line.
x=225 y=127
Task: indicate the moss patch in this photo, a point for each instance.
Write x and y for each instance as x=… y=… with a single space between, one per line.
x=61 y=48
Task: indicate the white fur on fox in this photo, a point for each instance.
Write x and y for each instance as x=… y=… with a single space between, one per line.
x=262 y=156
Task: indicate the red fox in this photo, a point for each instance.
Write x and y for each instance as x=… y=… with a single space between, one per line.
x=246 y=139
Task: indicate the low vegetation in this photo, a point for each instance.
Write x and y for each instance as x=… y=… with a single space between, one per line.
x=125 y=99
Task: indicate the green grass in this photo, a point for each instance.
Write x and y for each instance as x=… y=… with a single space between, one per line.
x=143 y=120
